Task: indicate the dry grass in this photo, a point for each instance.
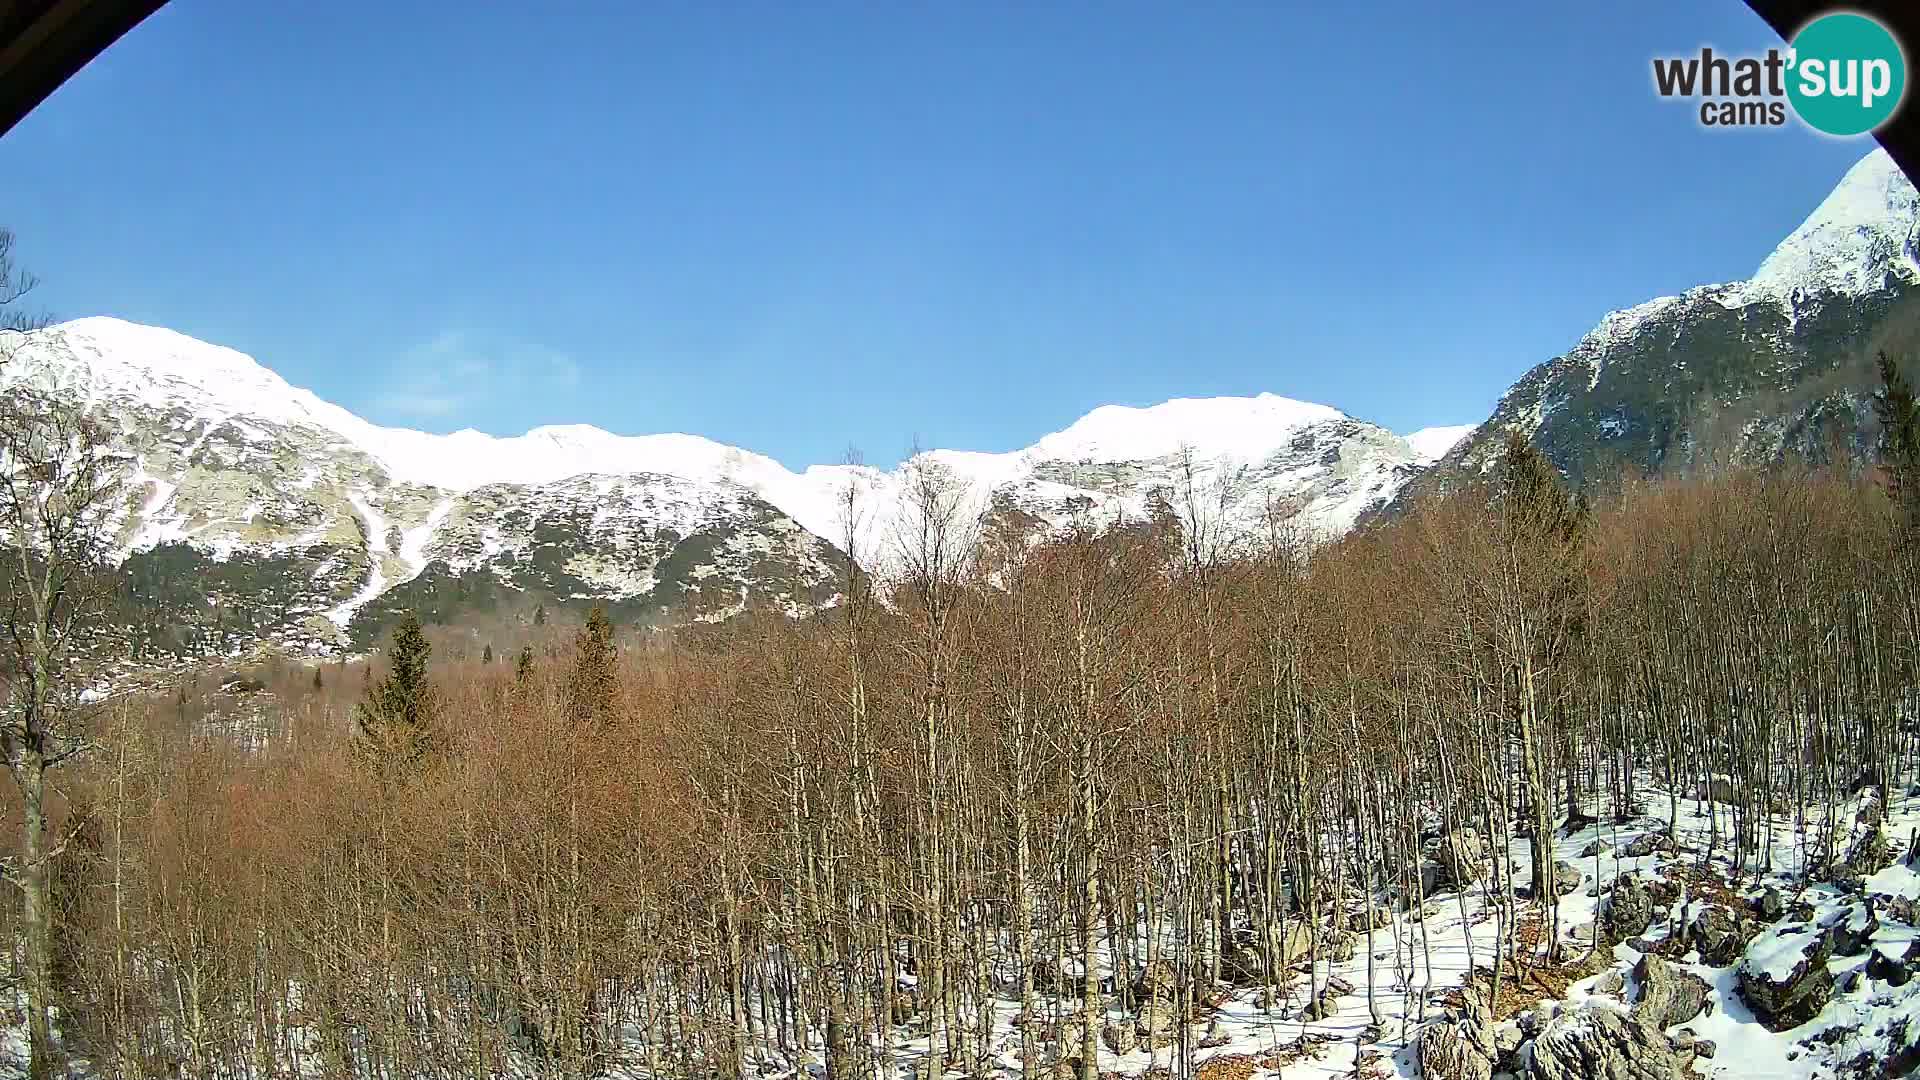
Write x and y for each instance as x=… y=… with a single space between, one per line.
x=1226 y=1067
x=1519 y=993
x=1704 y=884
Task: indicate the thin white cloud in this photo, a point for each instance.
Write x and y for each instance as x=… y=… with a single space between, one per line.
x=457 y=371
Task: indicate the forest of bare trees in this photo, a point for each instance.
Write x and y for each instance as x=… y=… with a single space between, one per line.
x=1190 y=759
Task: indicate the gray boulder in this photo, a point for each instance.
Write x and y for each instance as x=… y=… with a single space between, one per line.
x=1596 y=1043
x=1668 y=995
x=1716 y=933
x=1462 y=857
x=1648 y=844
x=1628 y=910
x=1783 y=977
x=1457 y=1046
x=1566 y=878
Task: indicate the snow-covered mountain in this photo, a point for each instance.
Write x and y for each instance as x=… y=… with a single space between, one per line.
x=1431 y=444
x=261 y=512
x=1749 y=370
x=309 y=524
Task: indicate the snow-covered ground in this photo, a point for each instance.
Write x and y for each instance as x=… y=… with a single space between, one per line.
x=1456 y=931
x=1422 y=957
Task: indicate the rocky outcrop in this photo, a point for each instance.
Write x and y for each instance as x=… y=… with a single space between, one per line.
x=1597 y=1043
x=1458 y=859
x=1628 y=910
x=1850 y=929
x=1458 y=1046
x=1668 y=994
x=1648 y=844
x=1717 y=933
x=1784 y=978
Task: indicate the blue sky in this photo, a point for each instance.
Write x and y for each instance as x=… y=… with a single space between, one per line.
x=804 y=227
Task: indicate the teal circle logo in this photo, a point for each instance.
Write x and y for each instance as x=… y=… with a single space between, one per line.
x=1847 y=74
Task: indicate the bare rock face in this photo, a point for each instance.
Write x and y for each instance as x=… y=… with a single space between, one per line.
x=1597 y=1043
x=1628 y=911
x=1668 y=995
x=1461 y=857
x=1717 y=934
x=1869 y=853
x=1849 y=931
x=1892 y=964
x=1648 y=844
x=1566 y=878
x=1459 y=1046
x=1783 y=977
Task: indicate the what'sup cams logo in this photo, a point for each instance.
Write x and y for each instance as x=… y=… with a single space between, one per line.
x=1843 y=74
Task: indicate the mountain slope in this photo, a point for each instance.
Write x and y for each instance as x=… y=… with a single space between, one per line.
x=1778 y=364
x=259 y=512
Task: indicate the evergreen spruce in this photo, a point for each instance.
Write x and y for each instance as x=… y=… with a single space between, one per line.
x=395 y=719
x=486 y=654
x=1899 y=417
x=1535 y=499
x=593 y=682
x=540 y=615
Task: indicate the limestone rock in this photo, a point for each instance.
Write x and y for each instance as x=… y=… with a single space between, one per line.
x=1850 y=930
x=1597 y=1043
x=1628 y=910
x=1462 y=857
x=1716 y=933
x=1458 y=1046
x=1783 y=977
x=1648 y=844
x=1668 y=994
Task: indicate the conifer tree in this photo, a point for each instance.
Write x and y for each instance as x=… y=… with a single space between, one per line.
x=540 y=615
x=1899 y=416
x=593 y=682
x=523 y=668
x=1535 y=498
x=1535 y=622
x=395 y=719
x=486 y=653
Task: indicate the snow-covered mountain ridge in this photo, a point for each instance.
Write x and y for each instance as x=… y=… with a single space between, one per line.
x=1779 y=363
x=290 y=518
x=233 y=462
